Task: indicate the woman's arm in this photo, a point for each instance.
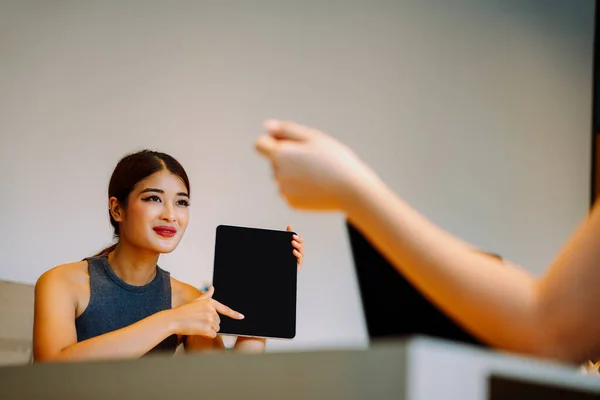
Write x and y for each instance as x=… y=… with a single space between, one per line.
x=498 y=303
x=503 y=305
x=55 y=337
x=242 y=344
x=250 y=345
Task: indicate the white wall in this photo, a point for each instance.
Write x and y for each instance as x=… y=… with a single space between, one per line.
x=477 y=112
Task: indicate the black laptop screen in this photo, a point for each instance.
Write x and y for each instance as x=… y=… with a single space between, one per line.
x=392 y=306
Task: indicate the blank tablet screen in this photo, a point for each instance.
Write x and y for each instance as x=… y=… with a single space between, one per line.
x=255 y=273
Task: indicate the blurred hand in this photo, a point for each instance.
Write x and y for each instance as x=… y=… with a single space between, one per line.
x=313 y=170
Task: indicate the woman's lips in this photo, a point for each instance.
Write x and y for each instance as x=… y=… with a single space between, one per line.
x=165 y=231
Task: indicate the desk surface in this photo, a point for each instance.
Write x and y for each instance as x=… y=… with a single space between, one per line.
x=415 y=369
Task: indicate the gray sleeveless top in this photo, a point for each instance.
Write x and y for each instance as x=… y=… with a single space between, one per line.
x=115 y=304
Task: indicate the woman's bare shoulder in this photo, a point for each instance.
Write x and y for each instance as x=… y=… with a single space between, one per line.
x=183 y=292
x=70 y=274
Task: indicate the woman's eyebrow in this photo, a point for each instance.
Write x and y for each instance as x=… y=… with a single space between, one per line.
x=155 y=190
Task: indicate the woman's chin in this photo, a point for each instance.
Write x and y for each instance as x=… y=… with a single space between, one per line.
x=165 y=246
x=166 y=250
x=162 y=248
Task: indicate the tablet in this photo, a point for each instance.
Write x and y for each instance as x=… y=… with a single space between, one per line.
x=255 y=273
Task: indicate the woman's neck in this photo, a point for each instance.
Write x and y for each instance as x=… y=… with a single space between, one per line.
x=132 y=265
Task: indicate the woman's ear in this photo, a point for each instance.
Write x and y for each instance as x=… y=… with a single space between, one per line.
x=115 y=209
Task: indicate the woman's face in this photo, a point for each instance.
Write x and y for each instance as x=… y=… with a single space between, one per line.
x=157 y=213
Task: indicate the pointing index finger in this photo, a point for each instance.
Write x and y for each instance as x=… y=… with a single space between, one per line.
x=223 y=309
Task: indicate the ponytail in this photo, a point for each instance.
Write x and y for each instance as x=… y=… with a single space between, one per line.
x=106 y=250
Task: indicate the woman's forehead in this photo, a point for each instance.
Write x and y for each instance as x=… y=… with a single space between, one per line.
x=163 y=180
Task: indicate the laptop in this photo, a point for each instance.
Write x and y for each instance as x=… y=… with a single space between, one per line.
x=392 y=306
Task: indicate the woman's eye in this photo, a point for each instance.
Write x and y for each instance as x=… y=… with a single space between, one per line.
x=183 y=203
x=152 y=198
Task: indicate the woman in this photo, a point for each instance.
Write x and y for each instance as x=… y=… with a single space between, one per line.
x=119 y=303
x=501 y=304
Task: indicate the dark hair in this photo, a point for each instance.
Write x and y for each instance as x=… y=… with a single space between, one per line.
x=132 y=169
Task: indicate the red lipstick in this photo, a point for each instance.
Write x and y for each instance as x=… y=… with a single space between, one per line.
x=165 y=231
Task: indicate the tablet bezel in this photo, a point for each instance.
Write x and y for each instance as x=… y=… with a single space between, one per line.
x=227 y=331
